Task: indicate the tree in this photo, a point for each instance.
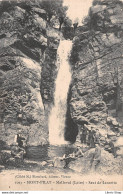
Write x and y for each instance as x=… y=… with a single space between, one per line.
x=61 y=14
x=67 y=22
x=55 y=9
x=49 y=6
x=76 y=20
x=75 y=24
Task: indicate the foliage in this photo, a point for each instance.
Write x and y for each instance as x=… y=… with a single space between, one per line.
x=6 y=5
x=96 y=2
x=67 y=22
x=57 y=11
x=49 y=7
x=53 y=8
x=76 y=20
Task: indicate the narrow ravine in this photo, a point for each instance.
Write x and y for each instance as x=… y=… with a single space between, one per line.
x=57 y=116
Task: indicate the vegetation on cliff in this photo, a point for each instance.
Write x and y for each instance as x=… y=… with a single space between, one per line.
x=52 y=11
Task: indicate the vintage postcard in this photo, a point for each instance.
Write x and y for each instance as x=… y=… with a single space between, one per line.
x=61 y=95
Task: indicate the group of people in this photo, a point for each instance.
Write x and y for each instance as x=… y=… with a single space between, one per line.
x=90 y=137
x=93 y=157
x=66 y=159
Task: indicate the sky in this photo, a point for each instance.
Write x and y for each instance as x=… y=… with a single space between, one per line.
x=78 y=8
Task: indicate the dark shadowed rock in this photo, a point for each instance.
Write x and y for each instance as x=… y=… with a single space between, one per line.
x=5 y=155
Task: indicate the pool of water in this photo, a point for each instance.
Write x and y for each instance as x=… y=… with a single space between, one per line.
x=48 y=152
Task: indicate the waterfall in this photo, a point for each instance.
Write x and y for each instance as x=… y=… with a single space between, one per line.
x=57 y=116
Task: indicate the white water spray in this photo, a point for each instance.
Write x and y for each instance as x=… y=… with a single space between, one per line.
x=58 y=113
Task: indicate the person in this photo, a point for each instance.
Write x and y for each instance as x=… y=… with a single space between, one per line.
x=87 y=138
x=96 y=158
x=17 y=152
x=75 y=26
x=97 y=136
x=19 y=139
x=79 y=152
x=91 y=138
x=61 y=20
x=83 y=135
x=67 y=160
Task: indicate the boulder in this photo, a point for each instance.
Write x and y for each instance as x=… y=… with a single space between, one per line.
x=111 y=134
x=53 y=33
x=5 y=155
x=43 y=163
x=11 y=162
x=112 y=121
x=117 y=19
x=18 y=12
x=33 y=41
x=43 y=40
x=103 y=140
x=80 y=165
x=98 y=8
x=108 y=164
x=113 y=138
x=19 y=158
x=83 y=164
x=121 y=130
x=119 y=142
x=41 y=23
x=50 y=165
x=15 y=161
x=6 y=42
x=53 y=43
x=41 y=12
x=119 y=152
x=59 y=163
x=2 y=167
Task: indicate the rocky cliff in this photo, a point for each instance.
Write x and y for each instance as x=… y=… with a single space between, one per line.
x=96 y=59
x=28 y=69
x=28 y=47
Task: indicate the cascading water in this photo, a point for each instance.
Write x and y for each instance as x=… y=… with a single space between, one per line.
x=57 y=116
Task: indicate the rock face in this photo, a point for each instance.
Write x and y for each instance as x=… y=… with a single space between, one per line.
x=28 y=69
x=27 y=44
x=108 y=165
x=96 y=58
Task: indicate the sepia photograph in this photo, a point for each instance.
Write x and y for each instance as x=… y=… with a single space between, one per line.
x=61 y=95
